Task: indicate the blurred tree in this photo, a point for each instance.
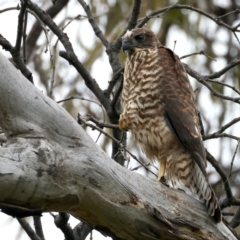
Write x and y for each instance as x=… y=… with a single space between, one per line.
x=208 y=28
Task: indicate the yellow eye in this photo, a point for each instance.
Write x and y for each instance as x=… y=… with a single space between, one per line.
x=140 y=38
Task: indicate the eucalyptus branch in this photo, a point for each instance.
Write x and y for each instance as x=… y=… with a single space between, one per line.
x=94 y=25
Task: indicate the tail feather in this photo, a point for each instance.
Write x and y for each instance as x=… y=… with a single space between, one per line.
x=205 y=193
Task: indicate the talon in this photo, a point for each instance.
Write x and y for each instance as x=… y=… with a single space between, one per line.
x=163 y=180
x=162 y=170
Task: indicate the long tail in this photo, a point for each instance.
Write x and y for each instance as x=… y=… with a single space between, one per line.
x=203 y=189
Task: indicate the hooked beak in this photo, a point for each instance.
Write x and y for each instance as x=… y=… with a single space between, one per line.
x=126 y=44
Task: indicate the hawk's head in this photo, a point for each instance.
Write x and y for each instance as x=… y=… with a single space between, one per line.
x=139 y=38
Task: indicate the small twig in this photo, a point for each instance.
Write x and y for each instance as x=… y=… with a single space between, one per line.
x=11 y=8
x=174 y=46
x=101 y=124
x=226 y=126
x=20 y=28
x=117 y=94
x=158 y=15
x=38 y=227
x=237 y=10
x=198 y=53
x=88 y=100
x=148 y=236
x=234 y=155
x=113 y=81
x=24 y=37
x=220 y=135
x=139 y=166
x=32 y=235
x=114 y=139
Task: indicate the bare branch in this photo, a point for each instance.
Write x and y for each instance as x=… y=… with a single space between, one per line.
x=234 y=155
x=20 y=27
x=179 y=6
x=202 y=79
x=94 y=25
x=38 y=227
x=218 y=74
x=24 y=37
x=32 y=235
x=198 y=53
x=220 y=135
x=16 y=58
x=89 y=81
x=235 y=11
x=220 y=171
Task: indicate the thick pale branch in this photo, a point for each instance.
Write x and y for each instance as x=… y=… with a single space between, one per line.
x=49 y=162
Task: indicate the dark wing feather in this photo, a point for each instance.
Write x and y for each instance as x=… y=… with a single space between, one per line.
x=181 y=113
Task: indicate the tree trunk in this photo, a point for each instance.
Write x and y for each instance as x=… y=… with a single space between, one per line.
x=50 y=163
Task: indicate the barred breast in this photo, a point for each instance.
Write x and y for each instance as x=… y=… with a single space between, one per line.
x=142 y=107
x=143 y=114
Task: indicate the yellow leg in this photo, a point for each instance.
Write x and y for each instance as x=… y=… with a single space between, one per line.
x=162 y=169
